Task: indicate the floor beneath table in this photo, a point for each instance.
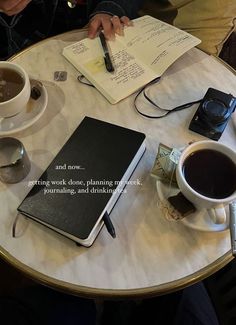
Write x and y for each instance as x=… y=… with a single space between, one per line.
x=11 y=279
x=221 y=288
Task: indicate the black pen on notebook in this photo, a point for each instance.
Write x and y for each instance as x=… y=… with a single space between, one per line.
x=109 y=225
x=107 y=58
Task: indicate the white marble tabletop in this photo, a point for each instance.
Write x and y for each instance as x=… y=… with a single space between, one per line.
x=150 y=255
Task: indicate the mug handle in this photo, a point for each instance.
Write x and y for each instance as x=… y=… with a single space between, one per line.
x=218 y=215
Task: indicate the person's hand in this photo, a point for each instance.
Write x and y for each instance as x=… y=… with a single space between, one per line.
x=111 y=25
x=13 y=7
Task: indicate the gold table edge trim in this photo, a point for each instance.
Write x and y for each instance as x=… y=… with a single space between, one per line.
x=90 y=292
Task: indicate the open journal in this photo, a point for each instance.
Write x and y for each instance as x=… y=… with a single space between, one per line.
x=145 y=51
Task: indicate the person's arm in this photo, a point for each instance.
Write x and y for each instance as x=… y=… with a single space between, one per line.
x=118 y=8
x=13 y=7
x=111 y=16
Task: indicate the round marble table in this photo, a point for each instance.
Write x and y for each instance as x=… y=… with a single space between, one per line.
x=150 y=255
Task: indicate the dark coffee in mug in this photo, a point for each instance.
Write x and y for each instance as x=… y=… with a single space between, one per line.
x=210 y=173
x=11 y=84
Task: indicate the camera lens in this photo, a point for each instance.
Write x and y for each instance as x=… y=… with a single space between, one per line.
x=215 y=110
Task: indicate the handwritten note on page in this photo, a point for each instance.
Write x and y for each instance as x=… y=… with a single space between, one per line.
x=143 y=54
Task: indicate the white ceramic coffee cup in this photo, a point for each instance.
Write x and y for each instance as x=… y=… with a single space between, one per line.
x=16 y=104
x=215 y=207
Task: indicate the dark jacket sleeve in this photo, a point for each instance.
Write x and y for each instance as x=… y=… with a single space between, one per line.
x=120 y=8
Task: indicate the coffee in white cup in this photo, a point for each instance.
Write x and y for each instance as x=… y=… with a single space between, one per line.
x=14 y=89
x=206 y=176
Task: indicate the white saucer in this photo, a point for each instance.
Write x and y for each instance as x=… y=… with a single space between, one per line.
x=199 y=220
x=33 y=111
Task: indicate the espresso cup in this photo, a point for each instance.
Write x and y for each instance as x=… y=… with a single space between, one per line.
x=206 y=176
x=14 y=161
x=14 y=89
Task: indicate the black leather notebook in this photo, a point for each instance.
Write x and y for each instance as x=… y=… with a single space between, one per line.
x=85 y=179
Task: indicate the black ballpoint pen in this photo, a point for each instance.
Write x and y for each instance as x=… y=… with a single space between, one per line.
x=109 y=225
x=107 y=58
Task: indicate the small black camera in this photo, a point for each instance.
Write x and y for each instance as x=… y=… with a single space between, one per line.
x=213 y=114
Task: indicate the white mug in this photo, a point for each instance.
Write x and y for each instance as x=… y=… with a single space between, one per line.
x=215 y=205
x=14 y=104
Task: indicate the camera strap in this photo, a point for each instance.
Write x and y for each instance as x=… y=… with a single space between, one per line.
x=162 y=111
